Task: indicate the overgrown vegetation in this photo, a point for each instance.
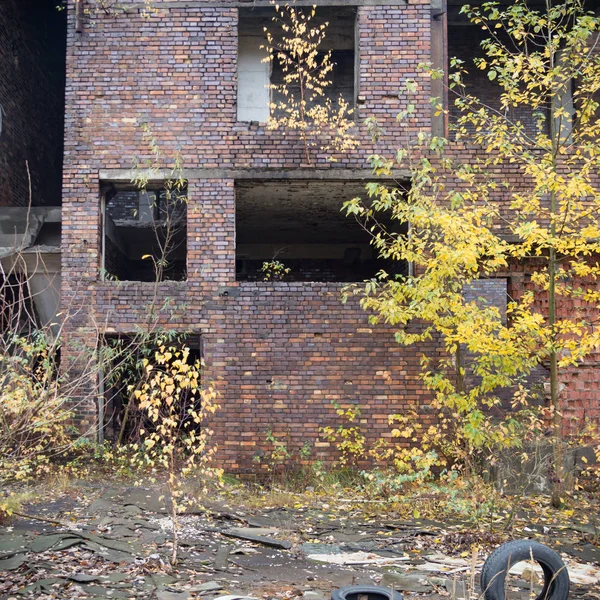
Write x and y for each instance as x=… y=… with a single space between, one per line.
x=467 y=221
x=49 y=378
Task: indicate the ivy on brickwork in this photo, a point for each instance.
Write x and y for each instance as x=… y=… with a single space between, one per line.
x=324 y=125
x=467 y=219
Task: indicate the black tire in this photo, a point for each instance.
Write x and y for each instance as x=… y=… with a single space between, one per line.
x=374 y=592
x=499 y=562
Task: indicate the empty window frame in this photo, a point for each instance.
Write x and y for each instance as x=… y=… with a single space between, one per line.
x=300 y=225
x=144 y=232
x=464 y=42
x=255 y=76
x=439 y=61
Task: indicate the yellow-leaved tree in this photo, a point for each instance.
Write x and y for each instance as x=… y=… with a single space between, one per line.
x=176 y=440
x=302 y=104
x=525 y=198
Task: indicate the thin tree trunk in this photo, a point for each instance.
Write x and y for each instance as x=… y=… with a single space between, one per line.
x=557 y=450
x=303 y=119
x=460 y=379
x=557 y=453
x=173 y=492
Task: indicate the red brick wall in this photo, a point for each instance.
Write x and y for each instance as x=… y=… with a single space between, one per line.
x=31 y=100
x=280 y=353
x=177 y=72
x=580 y=396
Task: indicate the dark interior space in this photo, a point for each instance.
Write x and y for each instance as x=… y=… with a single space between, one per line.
x=17 y=312
x=32 y=90
x=145 y=233
x=254 y=75
x=301 y=225
x=125 y=353
x=464 y=43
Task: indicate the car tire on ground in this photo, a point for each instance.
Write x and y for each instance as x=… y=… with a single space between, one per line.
x=372 y=592
x=499 y=562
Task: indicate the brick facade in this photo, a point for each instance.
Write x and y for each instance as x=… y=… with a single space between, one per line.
x=31 y=101
x=280 y=353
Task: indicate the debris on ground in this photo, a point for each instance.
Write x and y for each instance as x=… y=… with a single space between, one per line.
x=117 y=544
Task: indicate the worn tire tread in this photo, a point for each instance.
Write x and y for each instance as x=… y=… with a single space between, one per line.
x=556 y=576
x=342 y=593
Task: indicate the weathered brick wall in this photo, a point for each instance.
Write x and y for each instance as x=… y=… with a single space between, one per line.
x=286 y=351
x=31 y=101
x=177 y=73
x=280 y=353
x=580 y=396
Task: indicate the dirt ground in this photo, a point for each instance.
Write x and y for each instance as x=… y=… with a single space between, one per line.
x=114 y=541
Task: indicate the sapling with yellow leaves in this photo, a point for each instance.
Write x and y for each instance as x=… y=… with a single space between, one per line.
x=324 y=124
x=526 y=196
x=176 y=441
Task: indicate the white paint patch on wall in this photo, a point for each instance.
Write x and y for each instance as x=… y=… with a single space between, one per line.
x=253 y=80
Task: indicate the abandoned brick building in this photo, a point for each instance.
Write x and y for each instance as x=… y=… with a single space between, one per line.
x=280 y=352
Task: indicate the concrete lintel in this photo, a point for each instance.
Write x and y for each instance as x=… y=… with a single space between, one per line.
x=169 y=4
x=126 y=175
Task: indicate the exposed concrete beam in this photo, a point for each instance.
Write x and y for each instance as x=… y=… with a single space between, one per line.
x=127 y=175
x=168 y=4
x=20 y=226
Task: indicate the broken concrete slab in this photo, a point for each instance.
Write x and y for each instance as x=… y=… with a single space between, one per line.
x=80 y=577
x=56 y=541
x=13 y=543
x=205 y=588
x=169 y=595
x=312 y=548
x=222 y=557
x=236 y=597
x=12 y=563
x=316 y=595
x=261 y=531
x=105 y=592
x=41 y=586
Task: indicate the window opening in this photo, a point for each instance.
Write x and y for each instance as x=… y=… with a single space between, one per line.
x=298 y=227
x=144 y=233
x=254 y=75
